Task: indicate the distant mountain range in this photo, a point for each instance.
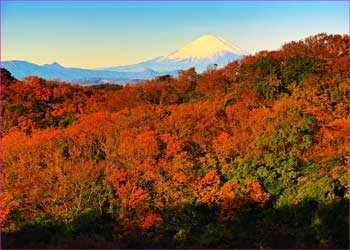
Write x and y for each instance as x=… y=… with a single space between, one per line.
x=200 y=53
x=20 y=69
x=204 y=51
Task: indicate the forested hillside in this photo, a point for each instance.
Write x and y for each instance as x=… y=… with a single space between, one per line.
x=253 y=155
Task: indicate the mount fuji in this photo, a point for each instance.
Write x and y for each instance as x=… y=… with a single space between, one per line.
x=200 y=53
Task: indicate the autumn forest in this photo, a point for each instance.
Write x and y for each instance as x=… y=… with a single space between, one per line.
x=252 y=155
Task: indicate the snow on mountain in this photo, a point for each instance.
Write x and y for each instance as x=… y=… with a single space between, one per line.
x=206 y=46
x=200 y=53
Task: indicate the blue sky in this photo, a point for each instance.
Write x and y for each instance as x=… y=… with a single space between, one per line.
x=101 y=34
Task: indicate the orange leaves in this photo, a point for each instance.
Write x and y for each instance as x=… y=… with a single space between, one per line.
x=132 y=180
x=163 y=147
x=255 y=192
x=33 y=88
x=25 y=124
x=319 y=112
x=135 y=210
x=230 y=197
x=319 y=46
x=42 y=182
x=96 y=124
x=226 y=150
x=173 y=144
x=150 y=219
x=214 y=84
x=286 y=103
x=195 y=123
x=229 y=200
x=124 y=98
x=8 y=205
x=137 y=197
x=206 y=190
x=136 y=144
x=129 y=196
x=229 y=191
x=233 y=199
x=42 y=94
x=332 y=141
x=116 y=175
x=186 y=81
x=52 y=103
x=243 y=122
x=221 y=141
x=88 y=139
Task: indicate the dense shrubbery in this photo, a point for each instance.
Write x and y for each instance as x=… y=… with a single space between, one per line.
x=254 y=155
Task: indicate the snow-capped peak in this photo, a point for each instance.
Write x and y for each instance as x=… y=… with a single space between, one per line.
x=206 y=46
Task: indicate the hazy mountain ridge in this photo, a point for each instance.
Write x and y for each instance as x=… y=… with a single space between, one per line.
x=21 y=69
x=201 y=53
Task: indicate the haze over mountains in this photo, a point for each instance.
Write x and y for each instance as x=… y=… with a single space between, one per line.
x=200 y=53
x=20 y=69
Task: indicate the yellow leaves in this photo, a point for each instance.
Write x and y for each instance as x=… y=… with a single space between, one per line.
x=341 y=174
x=273 y=80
